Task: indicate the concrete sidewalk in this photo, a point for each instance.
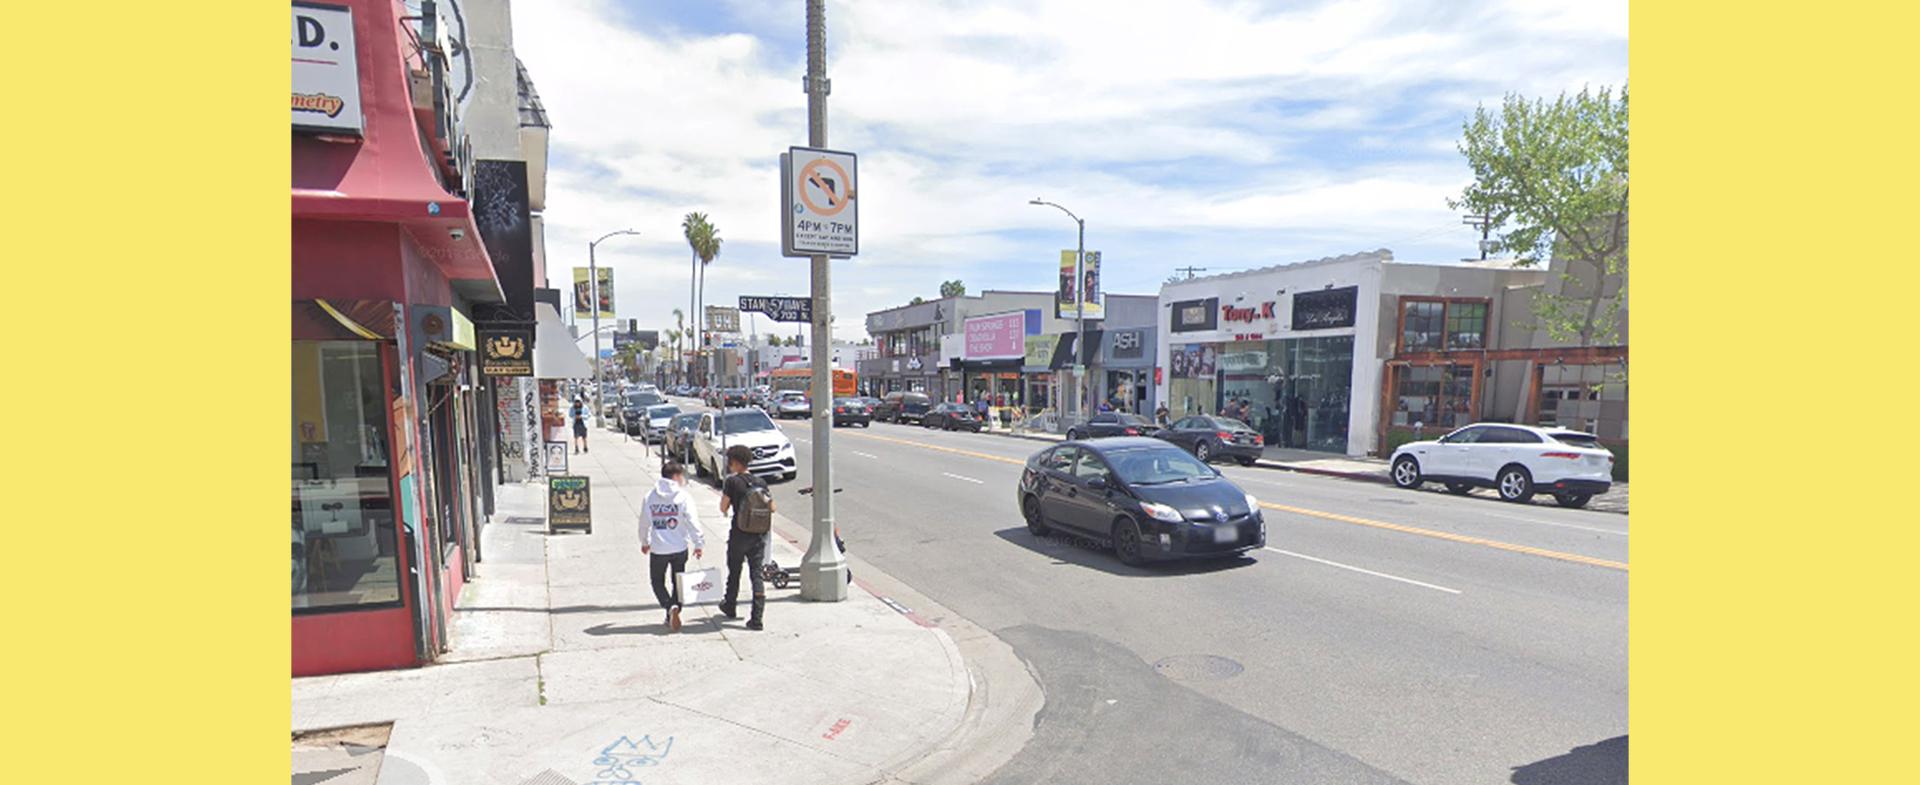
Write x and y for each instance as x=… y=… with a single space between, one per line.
x=561 y=670
x=1365 y=469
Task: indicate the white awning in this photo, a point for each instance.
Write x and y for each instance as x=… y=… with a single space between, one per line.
x=554 y=355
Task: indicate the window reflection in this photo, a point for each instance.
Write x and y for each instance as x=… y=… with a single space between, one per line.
x=343 y=525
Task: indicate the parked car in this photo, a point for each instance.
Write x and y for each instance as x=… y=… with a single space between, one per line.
x=952 y=417
x=1211 y=437
x=903 y=407
x=791 y=403
x=732 y=397
x=1107 y=424
x=871 y=402
x=772 y=452
x=654 y=426
x=633 y=406
x=680 y=436
x=852 y=411
x=1146 y=497
x=1516 y=461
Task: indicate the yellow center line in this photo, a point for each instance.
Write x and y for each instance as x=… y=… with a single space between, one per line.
x=1331 y=516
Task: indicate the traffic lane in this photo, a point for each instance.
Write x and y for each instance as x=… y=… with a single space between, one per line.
x=1528 y=673
x=1583 y=533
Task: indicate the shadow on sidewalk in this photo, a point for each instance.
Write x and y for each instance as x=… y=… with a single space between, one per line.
x=1600 y=763
x=1085 y=552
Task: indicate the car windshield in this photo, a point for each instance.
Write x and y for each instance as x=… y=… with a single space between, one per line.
x=685 y=420
x=745 y=421
x=658 y=412
x=1157 y=466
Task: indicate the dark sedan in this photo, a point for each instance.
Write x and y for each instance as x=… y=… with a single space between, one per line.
x=852 y=411
x=1211 y=438
x=679 y=441
x=1149 y=499
x=952 y=417
x=1113 y=424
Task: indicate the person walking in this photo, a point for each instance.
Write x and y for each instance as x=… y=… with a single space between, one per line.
x=579 y=414
x=668 y=525
x=747 y=499
x=1162 y=416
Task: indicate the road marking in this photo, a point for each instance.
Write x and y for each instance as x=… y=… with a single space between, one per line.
x=1460 y=538
x=1552 y=523
x=1363 y=570
x=968 y=479
x=866 y=454
x=1505 y=546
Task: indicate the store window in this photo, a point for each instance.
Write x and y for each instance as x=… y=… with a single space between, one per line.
x=344 y=542
x=1466 y=326
x=1434 y=397
x=1421 y=325
x=1590 y=398
x=1313 y=393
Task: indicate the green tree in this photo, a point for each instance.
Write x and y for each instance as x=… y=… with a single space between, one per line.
x=953 y=288
x=917 y=299
x=703 y=239
x=1552 y=175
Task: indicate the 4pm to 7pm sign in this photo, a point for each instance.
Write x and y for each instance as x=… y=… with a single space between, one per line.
x=819 y=203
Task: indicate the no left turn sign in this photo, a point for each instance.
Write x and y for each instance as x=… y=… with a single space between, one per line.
x=819 y=199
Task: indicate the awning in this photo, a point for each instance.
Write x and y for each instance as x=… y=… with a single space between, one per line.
x=1063 y=353
x=554 y=355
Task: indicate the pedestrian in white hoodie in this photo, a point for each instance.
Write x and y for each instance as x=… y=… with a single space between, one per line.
x=668 y=524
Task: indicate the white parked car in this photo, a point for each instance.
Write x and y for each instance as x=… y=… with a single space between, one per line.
x=1516 y=461
x=772 y=452
x=790 y=403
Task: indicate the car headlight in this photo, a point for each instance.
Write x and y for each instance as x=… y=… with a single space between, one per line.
x=1253 y=505
x=1161 y=512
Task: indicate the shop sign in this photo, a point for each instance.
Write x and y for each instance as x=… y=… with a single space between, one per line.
x=1196 y=315
x=1001 y=336
x=1326 y=309
x=1230 y=313
x=819 y=201
x=1128 y=345
x=556 y=457
x=506 y=352
x=1244 y=360
x=326 y=71
x=721 y=319
x=1039 y=351
x=569 y=502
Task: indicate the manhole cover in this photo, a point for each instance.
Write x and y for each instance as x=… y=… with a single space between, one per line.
x=1198 y=667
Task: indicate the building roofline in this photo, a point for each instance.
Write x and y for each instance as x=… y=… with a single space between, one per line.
x=1377 y=255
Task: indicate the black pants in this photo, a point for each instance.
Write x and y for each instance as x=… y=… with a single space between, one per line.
x=748 y=552
x=666 y=587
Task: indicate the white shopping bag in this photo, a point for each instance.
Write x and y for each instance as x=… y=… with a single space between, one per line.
x=702 y=586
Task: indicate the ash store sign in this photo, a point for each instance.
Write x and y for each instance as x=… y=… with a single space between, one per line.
x=819 y=207
x=780 y=309
x=326 y=73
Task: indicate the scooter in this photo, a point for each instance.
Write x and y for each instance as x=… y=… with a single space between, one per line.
x=780 y=577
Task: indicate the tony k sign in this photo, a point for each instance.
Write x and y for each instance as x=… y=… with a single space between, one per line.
x=326 y=75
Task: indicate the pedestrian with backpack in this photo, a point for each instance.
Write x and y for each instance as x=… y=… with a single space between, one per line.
x=668 y=525
x=750 y=502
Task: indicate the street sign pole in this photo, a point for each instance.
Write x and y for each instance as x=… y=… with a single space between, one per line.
x=823 y=571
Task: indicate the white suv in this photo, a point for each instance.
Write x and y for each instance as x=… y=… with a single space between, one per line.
x=772 y=452
x=1516 y=461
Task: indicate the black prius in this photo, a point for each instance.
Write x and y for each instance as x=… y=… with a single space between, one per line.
x=1147 y=497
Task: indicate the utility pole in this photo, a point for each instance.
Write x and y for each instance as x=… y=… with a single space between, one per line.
x=1189 y=270
x=1079 y=400
x=823 y=571
x=1483 y=222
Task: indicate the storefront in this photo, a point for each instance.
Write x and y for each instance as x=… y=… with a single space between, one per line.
x=1282 y=348
x=1124 y=373
x=387 y=266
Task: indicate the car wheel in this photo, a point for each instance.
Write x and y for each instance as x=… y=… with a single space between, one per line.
x=1245 y=460
x=1515 y=484
x=1203 y=452
x=1575 y=500
x=1030 y=509
x=1126 y=542
x=1406 y=472
x=1459 y=488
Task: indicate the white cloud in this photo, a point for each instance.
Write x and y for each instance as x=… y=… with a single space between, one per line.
x=1177 y=129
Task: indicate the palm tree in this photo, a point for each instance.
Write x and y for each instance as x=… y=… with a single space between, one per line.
x=674 y=336
x=703 y=239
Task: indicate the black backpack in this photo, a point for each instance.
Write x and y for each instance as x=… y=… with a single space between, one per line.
x=756 y=510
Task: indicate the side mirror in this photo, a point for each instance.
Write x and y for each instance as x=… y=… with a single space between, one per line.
x=1098 y=483
x=1216 y=470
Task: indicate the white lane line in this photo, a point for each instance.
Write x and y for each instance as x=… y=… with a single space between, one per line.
x=866 y=455
x=1552 y=523
x=1363 y=570
x=968 y=479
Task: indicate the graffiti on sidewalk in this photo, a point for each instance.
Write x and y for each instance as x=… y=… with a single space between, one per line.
x=617 y=761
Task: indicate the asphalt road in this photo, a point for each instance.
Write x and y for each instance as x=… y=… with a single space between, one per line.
x=1384 y=636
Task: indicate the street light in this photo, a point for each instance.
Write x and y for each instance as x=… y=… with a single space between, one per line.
x=1079 y=305
x=593 y=299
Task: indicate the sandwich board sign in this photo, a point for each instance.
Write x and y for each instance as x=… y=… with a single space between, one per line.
x=819 y=203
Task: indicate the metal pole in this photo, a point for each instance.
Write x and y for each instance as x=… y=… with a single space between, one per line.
x=823 y=571
x=1080 y=316
x=593 y=302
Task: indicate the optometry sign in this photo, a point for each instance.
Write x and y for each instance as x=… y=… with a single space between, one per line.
x=819 y=207
x=326 y=75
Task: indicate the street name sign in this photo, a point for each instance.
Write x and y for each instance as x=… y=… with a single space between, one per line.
x=780 y=309
x=819 y=203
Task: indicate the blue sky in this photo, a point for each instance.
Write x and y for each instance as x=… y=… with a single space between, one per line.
x=1224 y=135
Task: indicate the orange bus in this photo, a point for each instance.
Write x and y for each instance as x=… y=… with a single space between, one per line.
x=845 y=383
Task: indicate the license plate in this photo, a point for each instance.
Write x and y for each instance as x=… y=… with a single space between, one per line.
x=1226 y=533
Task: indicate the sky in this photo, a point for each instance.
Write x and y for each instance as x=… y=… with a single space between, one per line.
x=1222 y=135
